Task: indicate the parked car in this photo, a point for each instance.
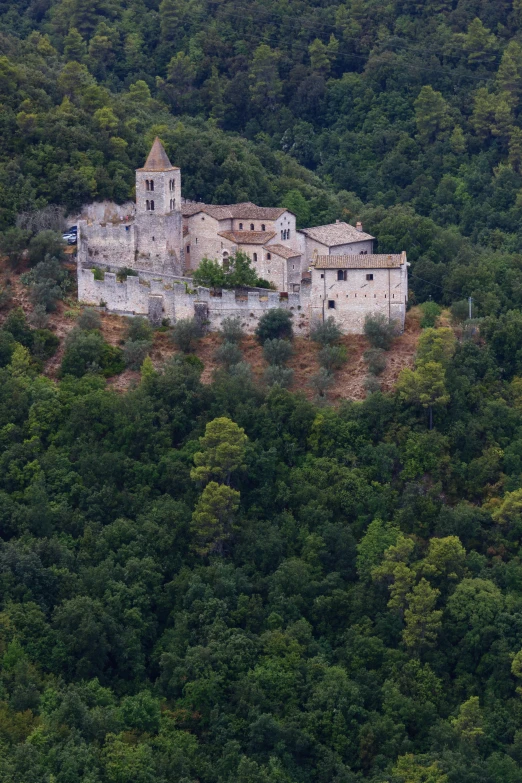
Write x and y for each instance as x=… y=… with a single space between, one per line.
x=70 y=237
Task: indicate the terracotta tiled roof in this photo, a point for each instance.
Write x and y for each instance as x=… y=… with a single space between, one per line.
x=158 y=159
x=248 y=237
x=244 y=211
x=335 y=234
x=371 y=261
x=282 y=250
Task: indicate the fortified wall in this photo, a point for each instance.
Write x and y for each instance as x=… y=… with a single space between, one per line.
x=159 y=298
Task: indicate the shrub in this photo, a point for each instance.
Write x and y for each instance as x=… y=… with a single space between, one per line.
x=139 y=329
x=48 y=281
x=45 y=344
x=430 y=313
x=99 y=274
x=16 y=324
x=7 y=346
x=321 y=381
x=88 y=352
x=371 y=384
x=231 y=330
x=39 y=318
x=13 y=243
x=228 y=354
x=89 y=319
x=325 y=333
x=460 y=311
x=379 y=331
x=275 y=375
x=185 y=333
x=332 y=357
x=277 y=352
x=5 y=297
x=376 y=360
x=45 y=244
x=275 y=325
x=125 y=272
x=135 y=351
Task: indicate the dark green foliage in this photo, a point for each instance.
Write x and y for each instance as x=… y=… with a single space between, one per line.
x=48 y=281
x=332 y=357
x=139 y=328
x=89 y=318
x=322 y=381
x=274 y=325
x=235 y=272
x=135 y=351
x=125 y=272
x=88 y=352
x=5 y=297
x=430 y=313
x=185 y=333
x=277 y=375
x=277 y=351
x=7 y=345
x=326 y=332
x=376 y=360
x=46 y=244
x=16 y=324
x=379 y=331
x=228 y=354
x=232 y=330
x=45 y=344
x=460 y=311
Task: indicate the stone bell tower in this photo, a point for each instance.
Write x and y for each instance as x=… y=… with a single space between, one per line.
x=159 y=233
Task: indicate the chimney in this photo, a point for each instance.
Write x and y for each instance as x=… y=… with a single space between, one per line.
x=358 y=226
x=336 y=221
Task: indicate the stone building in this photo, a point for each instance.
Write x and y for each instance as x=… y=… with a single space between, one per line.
x=350 y=287
x=317 y=272
x=336 y=239
x=151 y=240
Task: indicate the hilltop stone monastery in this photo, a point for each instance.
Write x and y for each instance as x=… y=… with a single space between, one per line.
x=316 y=272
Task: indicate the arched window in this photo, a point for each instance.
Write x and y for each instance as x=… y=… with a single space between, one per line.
x=148 y=204
x=340 y=274
x=147 y=184
x=251 y=227
x=268 y=256
x=263 y=227
x=255 y=257
x=152 y=184
x=241 y=227
x=152 y=206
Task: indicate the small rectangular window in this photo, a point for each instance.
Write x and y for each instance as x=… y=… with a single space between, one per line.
x=188 y=248
x=331 y=304
x=369 y=277
x=322 y=276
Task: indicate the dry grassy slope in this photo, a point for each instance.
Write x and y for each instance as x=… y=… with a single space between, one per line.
x=349 y=383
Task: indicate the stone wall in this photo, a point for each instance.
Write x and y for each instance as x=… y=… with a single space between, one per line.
x=350 y=301
x=139 y=296
x=106 y=245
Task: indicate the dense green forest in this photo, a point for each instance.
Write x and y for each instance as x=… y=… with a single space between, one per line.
x=404 y=114
x=228 y=583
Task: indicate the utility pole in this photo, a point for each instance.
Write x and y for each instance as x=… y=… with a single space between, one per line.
x=470 y=300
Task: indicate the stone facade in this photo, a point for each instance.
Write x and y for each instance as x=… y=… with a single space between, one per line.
x=348 y=288
x=318 y=272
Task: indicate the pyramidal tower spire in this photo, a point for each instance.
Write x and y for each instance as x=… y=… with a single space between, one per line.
x=158 y=160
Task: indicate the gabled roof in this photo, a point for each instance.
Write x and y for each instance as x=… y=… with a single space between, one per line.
x=282 y=251
x=158 y=160
x=336 y=234
x=371 y=261
x=247 y=237
x=246 y=210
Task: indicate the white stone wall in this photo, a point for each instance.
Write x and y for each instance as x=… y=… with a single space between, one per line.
x=203 y=239
x=131 y=297
x=357 y=296
x=106 y=245
x=309 y=246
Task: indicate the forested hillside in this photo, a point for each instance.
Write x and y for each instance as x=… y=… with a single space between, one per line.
x=227 y=582
x=404 y=114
